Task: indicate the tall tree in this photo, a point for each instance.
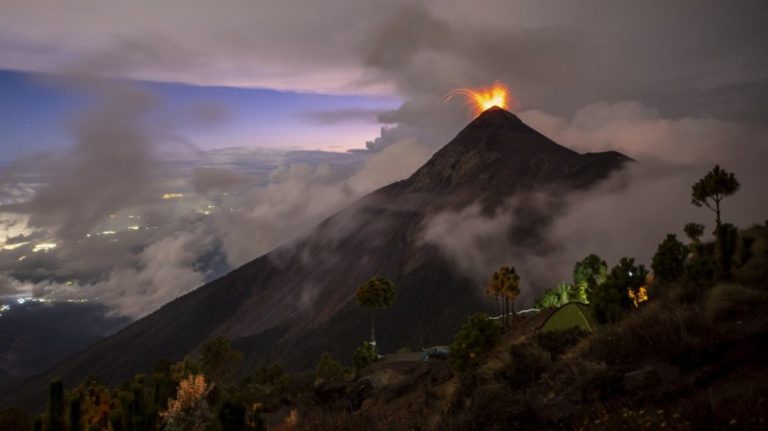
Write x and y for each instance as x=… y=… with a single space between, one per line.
x=713 y=188
x=588 y=273
x=56 y=407
x=376 y=293
x=612 y=299
x=669 y=261
x=506 y=284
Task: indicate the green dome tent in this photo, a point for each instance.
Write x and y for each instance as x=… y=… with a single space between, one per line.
x=567 y=316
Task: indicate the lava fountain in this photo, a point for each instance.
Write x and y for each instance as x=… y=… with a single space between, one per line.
x=484 y=98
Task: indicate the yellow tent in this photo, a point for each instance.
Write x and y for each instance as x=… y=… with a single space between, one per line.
x=572 y=314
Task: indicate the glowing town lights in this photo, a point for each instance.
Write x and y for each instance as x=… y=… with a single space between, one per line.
x=482 y=99
x=134 y=227
x=43 y=246
x=173 y=195
x=108 y=232
x=13 y=246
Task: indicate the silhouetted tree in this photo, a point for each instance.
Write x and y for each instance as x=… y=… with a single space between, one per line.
x=713 y=188
x=56 y=407
x=669 y=261
x=694 y=231
x=75 y=415
x=727 y=244
x=378 y=292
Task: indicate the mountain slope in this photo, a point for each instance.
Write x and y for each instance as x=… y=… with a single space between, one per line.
x=298 y=300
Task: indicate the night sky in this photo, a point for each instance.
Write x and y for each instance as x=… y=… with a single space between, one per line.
x=35 y=109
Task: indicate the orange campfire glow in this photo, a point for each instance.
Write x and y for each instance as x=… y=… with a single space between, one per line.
x=482 y=99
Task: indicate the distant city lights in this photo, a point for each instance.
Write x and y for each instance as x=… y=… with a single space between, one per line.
x=43 y=246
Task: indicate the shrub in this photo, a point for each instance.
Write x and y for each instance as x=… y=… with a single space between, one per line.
x=558 y=342
x=701 y=268
x=328 y=369
x=365 y=355
x=14 y=419
x=562 y=294
x=267 y=385
x=527 y=361
x=673 y=333
x=733 y=301
x=478 y=336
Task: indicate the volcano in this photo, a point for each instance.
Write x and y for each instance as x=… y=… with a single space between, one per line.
x=297 y=301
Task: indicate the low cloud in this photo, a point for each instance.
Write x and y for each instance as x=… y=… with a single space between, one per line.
x=128 y=218
x=344 y=115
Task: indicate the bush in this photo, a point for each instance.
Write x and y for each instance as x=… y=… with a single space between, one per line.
x=675 y=333
x=328 y=369
x=561 y=295
x=734 y=301
x=365 y=355
x=527 y=361
x=558 y=342
x=14 y=419
x=478 y=336
x=267 y=385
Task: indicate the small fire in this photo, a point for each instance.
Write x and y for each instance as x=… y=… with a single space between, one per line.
x=485 y=98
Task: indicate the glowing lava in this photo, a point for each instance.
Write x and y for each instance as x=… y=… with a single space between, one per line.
x=482 y=99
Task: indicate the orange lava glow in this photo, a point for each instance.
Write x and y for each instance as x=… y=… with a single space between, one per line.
x=485 y=98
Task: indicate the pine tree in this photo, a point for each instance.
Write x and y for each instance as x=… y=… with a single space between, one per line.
x=75 y=415
x=713 y=188
x=669 y=261
x=56 y=407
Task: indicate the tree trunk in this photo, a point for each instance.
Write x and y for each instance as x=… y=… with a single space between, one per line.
x=717 y=212
x=506 y=312
x=373 y=327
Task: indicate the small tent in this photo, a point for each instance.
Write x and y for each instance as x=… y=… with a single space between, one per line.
x=567 y=316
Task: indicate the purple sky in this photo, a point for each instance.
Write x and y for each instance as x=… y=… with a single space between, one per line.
x=35 y=111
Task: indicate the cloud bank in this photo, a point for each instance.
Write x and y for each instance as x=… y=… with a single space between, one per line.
x=629 y=214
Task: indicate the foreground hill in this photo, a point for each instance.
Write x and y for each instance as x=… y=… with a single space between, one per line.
x=692 y=357
x=298 y=300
